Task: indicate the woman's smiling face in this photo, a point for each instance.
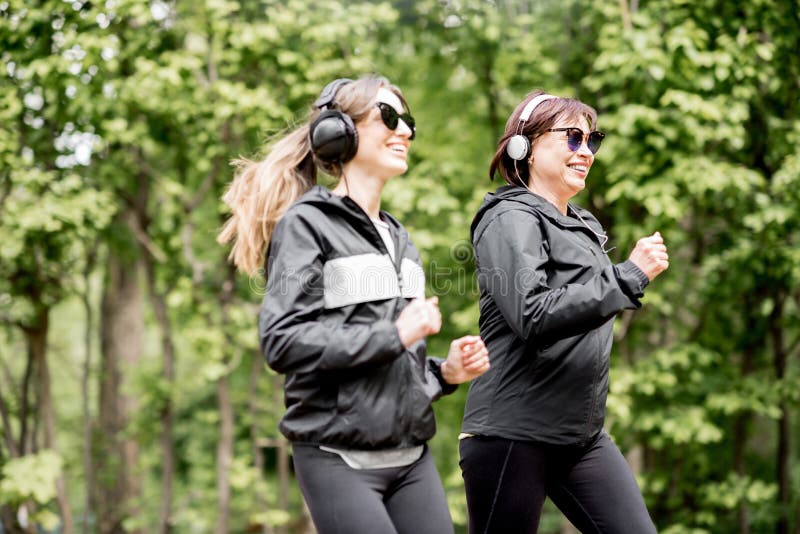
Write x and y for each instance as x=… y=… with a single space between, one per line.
x=554 y=168
x=383 y=151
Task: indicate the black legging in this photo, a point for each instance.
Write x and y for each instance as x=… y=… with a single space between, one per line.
x=593 y=486
x=343 y=500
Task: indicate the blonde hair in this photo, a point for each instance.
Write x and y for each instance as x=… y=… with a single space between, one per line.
x=262 y=191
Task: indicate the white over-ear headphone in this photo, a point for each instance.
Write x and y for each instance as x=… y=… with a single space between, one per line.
x=519 y=147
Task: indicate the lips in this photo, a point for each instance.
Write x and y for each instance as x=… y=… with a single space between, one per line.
x=583 y=169
x=399 y=149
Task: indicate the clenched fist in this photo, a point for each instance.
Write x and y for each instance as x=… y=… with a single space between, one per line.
x=421 y=318
x=468 y=358
x=650 y=255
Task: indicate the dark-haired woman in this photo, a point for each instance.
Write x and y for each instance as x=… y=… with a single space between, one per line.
x=345 y=316
x=533 y=425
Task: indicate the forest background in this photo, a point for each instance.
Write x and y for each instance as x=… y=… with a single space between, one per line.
x=132 y=392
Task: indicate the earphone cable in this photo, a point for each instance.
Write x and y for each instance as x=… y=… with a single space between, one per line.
x=519 y=178
x=344 y=177
x=602 y=237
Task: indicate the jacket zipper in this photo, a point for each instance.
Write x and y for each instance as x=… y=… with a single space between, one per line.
x=594 y=240
x=594 y=404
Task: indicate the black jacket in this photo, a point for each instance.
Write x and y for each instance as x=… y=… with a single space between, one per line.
x=327 y=323
x=548 y=295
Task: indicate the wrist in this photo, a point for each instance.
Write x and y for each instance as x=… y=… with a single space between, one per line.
x=403 y=335
x=440 y=370
x=446 y=372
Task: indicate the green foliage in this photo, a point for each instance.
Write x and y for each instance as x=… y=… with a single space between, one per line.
x=110 y=106
x=692 y=89
x=30 y=477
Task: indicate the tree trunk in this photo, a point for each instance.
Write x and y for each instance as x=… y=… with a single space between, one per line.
x=797 y=518
x=784 y=470
x=626 y=14
x=282 y=452
x=8 y=521
x=36 y=338
x=158 y=302
x=740 y=434
x=224 y=456
x=8 y=435
x=121 y=329
x=783 y=474
x=281 y=446
x=88 y=467
x=303 y=525
x=25 y=441
x=225 y=444
x=258 y=455
x=8 y=514
x=306 y=525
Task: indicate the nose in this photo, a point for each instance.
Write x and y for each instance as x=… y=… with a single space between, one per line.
x=583 y=150
x=403 y=129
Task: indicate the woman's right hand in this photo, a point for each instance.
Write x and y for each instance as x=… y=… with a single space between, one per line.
x=468 y=358
x=650 y=255
x=421 y=318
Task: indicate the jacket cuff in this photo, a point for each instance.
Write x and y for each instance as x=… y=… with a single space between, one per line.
x=435 y=366
x=396 y=346
x=631 y=278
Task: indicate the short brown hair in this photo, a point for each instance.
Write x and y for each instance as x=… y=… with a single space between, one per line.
x=543 y=118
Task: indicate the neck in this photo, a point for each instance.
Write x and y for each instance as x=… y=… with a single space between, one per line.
x=552 y=198
x=364 y=189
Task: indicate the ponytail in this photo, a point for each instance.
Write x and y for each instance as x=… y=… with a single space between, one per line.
x=260 y=194
x=262 y=191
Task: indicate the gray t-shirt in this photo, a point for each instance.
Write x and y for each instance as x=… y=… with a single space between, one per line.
x=383 y=230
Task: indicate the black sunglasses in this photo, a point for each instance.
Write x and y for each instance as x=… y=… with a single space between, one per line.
x=575 y=138
x=390 y=116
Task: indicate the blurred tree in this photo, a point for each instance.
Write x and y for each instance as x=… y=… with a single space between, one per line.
x=118 y=122
x=702 y=96
x=49 y=218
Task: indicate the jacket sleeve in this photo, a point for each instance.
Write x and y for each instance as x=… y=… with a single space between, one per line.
x=512 y=259
x=293 y=334
x=434 y=368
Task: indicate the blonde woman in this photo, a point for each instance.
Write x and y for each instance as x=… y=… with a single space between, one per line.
x=345 y=316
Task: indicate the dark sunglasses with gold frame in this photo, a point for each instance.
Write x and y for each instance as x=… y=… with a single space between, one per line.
x=576 y=137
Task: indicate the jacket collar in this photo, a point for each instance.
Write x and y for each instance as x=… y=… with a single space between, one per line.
x=346 y=208
x=508 y=195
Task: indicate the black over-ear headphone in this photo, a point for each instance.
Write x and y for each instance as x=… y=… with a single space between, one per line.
x=332 y=134
x=519 y=146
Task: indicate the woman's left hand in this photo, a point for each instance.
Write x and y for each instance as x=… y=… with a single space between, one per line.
x=468 y=358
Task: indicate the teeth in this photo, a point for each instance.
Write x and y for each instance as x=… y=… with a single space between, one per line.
x=582 y=168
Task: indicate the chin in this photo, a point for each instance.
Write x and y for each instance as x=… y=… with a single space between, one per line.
x=575 y=190
x=578 y=184
x=400 y=169
x=394 y=173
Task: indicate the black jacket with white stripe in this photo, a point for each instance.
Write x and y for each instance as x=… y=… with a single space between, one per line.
x=548 y=297
x=327 y=323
